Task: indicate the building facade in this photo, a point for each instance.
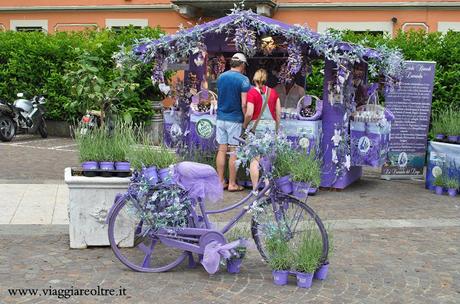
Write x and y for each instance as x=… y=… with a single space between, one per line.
x=380 y=16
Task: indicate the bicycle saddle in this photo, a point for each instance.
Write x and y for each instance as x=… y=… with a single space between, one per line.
x=200 y=180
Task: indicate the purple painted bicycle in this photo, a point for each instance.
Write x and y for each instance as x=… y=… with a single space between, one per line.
x=154 y=228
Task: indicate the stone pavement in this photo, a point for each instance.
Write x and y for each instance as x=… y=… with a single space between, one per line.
x=395 y=242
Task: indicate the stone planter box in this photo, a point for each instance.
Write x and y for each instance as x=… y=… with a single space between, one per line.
x=90 y=199
x=58 y=128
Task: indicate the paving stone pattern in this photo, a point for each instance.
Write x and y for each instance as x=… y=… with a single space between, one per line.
x=367 y=266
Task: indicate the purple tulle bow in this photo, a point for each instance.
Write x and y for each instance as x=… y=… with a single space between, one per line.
x=214 y=251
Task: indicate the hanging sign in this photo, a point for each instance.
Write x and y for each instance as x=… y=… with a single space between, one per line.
x=411 y=106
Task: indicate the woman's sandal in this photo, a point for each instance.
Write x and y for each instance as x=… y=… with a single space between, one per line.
x=238 y=189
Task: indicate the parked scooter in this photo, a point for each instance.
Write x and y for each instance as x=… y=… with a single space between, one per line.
x=22 y=117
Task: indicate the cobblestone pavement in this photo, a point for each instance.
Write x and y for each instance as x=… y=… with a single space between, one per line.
x=31 y=159
x=368 y=266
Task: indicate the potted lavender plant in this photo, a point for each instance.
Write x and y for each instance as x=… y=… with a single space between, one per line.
x=282 y=169
x=439 y=185
x=307 y=256
x=234 y=262
x=305 y=172
x=452 y=185
x=279 y=254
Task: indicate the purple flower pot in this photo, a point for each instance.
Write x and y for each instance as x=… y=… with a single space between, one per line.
x=304 y=280
x=280 y=277
x=321 y=272
x=438 y=190
x=452 y=192
x=234 y=265
x=300 y=189
x=284 y=184
x=312 y=190
x=125 y=166
x=90 y=165
x=165 y=175
x=452 y=138
x=107 y=166
x=151 y=175
x=439 y=136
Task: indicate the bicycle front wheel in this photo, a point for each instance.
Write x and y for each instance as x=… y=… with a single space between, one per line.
x=297 y=217
x=137 y=248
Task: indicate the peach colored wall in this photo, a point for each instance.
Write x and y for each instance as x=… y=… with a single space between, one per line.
x=135 y=2
x=312 y=17
x=169 y=19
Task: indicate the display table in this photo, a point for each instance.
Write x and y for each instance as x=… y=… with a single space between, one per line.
x=443 y=159
x=201 y=131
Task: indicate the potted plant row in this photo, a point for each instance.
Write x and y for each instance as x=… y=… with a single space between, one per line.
x=103 y=152
x=446 y=126
x=443 y=183
x=302 y=259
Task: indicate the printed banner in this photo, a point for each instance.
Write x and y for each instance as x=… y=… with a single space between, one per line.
x=411 y=106
x=443 y=161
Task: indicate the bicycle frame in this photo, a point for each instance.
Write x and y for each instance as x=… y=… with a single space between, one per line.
x=183 y=237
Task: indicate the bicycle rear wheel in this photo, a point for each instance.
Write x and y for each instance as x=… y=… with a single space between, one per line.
x=297 y=217
x=135 y=246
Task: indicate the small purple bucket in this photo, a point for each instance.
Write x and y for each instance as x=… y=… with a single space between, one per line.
x=165 y=175
x=304 y=280
x=438 y=190
x=452 y=192
x=234 y=265
x=321 y=272
x=151 y=175
x=280 y=277
x=90 y=165
x=107 y=166
x=439 y=136
x=284 y=184
x=125 y=166
x=452 y=138
x=300 y=189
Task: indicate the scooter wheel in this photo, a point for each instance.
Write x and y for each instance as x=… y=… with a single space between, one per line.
x=7 y=128
x=42 y=129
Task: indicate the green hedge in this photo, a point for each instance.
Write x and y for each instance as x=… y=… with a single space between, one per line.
x=35 y=63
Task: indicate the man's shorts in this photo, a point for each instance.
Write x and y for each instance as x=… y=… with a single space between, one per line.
x=227 y=131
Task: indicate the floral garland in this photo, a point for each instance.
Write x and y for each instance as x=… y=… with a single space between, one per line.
x=244 y=26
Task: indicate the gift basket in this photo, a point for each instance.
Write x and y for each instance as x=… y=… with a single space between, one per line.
x=370 y=129
x=306 y=110
x=204 y=102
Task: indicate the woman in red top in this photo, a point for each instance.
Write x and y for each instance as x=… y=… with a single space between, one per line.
x=270 y=114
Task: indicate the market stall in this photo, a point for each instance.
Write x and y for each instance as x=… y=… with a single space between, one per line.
x=286 y=52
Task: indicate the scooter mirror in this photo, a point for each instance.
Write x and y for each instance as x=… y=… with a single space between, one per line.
x=20 y=95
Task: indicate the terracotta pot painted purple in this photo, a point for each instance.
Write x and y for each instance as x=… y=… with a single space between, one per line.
x=439 y=136
x=165 y=175
x=234 y=265
x=452 y=138
x=151 y=175
x=107 y=166
x=304 y=280
x=452 y=192
x=300 y=189
x=125 y=166
x=90 y=165
x=284 y=184
x=321 y=272
x=280 y=277
x=438 y=190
